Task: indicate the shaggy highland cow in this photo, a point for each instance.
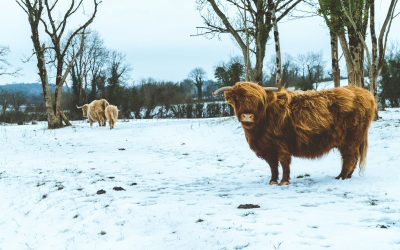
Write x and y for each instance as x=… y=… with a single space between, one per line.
x=281 y=124
x=95 y=111
x=111 y=115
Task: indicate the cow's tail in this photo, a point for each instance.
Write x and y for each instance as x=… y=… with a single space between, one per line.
x=113 y=114
x=371 y=115
x=362 y=150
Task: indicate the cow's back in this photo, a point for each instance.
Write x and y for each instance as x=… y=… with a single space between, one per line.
x=322 y=120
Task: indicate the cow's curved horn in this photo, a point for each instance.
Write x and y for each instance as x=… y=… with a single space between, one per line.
x=221 y=90
x=271 y=88
x=79 y=107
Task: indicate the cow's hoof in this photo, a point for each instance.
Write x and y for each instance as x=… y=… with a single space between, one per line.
x=272 y=182
x=284 y=183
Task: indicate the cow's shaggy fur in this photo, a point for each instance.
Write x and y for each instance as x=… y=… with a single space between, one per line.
x=282 y=124
x=111 y=115
x=95 y=111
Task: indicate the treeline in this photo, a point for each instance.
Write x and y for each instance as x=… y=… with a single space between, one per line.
x=162 y=99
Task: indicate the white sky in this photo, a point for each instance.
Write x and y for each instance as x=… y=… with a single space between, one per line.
x=155 y=36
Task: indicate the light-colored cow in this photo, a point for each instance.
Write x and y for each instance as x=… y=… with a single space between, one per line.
x=95 y=111
x=111 y=115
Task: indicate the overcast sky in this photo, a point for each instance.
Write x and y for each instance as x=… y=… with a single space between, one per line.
x=156 y=38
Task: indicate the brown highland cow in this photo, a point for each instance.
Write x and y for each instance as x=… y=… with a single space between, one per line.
x=281 y=124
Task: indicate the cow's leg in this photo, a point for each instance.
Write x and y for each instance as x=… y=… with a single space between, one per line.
x=349 y=162
x=352 y=168
x=104 y=119
x=99 y=119
x=285 y=162
x=273 y=164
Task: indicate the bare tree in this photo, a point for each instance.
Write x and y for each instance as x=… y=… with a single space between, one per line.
x=375 y=55
x=198 y=75
x=117 y=74
x=41 y=14
x=4 y=64
x=87 y=64
x=248 y=22
x=312 y=67
x=5 y=101
x=17 y=100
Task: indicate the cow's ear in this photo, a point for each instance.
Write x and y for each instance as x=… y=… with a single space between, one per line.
x=230 y=97
x=270 y=97
x=283 y=98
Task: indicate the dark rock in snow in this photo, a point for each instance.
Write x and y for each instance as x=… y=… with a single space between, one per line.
x=248 y=206
x=118 y=189
x=101 y=191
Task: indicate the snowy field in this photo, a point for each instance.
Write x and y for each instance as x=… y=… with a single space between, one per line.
x=177 y=184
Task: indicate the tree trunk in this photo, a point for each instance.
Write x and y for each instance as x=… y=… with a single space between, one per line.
x=335 y=59
x=52 y=120
x=278 y=70
x=348 y=58
x=356 y=51
x=262 y=34
x=246 y=53
x=199 y=91
x=258 y=69
x=94 y=88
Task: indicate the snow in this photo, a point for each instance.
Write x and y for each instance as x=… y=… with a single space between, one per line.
x=183 y=182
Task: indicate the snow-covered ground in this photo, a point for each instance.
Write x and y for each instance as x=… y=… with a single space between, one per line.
x=182 y=182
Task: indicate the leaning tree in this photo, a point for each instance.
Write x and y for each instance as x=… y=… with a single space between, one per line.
x=50 y=18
